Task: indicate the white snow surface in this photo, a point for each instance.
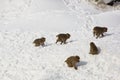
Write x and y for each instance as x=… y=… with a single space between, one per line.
x=22 y=21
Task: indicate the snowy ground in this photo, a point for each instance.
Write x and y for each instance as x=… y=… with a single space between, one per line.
x=21 y=24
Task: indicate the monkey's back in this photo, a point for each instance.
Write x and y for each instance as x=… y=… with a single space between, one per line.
x=39 y=40
x=71 y=61
x=61 y=35
x=98 y=29
x=93 y=49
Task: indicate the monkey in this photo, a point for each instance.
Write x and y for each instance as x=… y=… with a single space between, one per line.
x=62 y=38
x=93 y=48
x=97 y=31
x=112 y=2
x=39 y=41
x=72 y=60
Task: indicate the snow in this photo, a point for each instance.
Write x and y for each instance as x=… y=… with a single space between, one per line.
x=22 y=21
x=45 y=22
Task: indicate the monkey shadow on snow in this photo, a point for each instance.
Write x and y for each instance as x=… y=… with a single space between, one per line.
x=81 y=63
x=109 y=34
x=48 y=44
x=71 y=41
x=99 y=50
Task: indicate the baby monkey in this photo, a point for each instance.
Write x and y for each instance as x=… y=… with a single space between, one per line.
x=97 y=31
x=62 y=38
x=72 y=61
x=93 y=49
x=39 y=41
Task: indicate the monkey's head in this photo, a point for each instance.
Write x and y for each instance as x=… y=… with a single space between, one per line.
x=105 y=29
x=68 y=35
x=43 y=38
x=77 y=58
x=91 y=43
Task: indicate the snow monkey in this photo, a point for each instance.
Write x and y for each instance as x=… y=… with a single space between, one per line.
x=97 y=31
x=72 y=60
x=39 y=41
x=62 y=38
x=93 y=49
x=112 y=2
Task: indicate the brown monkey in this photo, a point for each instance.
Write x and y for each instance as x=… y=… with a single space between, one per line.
x=62 y=38
x=72 y=60
x=39 y=41
x=93 y=49
x=97 y=31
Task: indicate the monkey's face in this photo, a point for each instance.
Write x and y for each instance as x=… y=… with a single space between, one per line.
x=91 y=43
x=105 y=29
x=43 y=39
x=68 y=35
x=77 y=57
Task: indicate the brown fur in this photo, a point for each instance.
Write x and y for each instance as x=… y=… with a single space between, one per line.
x=62 y=38
x=39 y=41
x=97 y=31
x=93 y=49
x=72 y=60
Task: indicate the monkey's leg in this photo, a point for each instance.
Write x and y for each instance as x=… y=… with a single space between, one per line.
x=75 y=67
x=64 y=41
x=98 y=35
x=56 y=41
x=91 y=51
x=70 y=64
x=37 y=44
x=93 y=33
x=102 y=35
x=61 y=42
x=42 y=44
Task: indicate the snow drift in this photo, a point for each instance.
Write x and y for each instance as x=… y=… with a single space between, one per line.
x=20 y=60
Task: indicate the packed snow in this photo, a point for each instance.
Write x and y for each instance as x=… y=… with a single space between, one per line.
x=22 y=21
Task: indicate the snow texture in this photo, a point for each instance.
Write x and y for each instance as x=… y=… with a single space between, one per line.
x=22 y=21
